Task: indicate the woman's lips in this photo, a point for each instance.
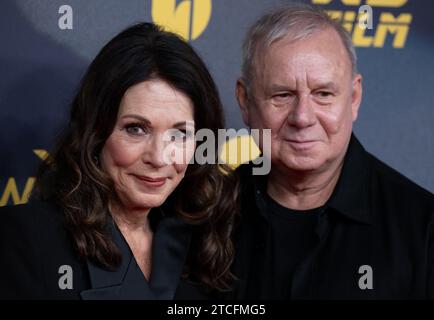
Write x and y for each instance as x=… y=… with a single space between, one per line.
x=151 y=182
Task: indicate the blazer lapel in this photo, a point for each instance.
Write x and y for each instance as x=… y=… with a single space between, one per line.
x=126 y=282
x=170 y=247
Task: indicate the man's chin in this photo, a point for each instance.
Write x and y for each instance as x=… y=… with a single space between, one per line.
x=301 y=164
x=301 y=146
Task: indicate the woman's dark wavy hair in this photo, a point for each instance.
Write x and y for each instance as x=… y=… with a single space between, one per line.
x=205 y=198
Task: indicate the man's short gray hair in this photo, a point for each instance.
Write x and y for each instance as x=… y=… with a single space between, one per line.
x=298 y=21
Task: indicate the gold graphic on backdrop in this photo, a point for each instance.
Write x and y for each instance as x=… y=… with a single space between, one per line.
x=373 y=3
x=239 y=150
x=41 y=153
x=395 y=25
x=11 y=192
x=189 y=18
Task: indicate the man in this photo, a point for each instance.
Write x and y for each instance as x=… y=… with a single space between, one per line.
x=330 y=220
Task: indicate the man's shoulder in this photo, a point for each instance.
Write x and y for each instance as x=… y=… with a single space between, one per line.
x=401 y=183
x=246 y=174
x=251 y=187
x=245 y=169
x=400 y=189
x=247 y=180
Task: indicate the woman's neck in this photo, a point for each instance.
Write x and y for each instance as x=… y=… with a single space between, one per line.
x=135 y=227
x=131 y=220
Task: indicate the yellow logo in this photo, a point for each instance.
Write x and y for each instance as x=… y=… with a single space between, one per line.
x=189 y=18
x=388 y=25
x=11 y=191
x=239 y=150
x=374 y=3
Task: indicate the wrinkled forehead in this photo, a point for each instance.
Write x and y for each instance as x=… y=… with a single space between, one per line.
x=320 y=54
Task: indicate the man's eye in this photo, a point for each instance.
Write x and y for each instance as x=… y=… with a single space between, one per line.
x=282 y=98
x=283 y=95
x=324 y=94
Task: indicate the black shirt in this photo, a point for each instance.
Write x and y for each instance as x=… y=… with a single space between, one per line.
x=292 y=238
x=375 y=237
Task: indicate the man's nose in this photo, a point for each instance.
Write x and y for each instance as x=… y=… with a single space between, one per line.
x=301 y=114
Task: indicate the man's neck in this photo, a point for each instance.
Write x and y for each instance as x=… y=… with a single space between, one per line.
x=303 y=190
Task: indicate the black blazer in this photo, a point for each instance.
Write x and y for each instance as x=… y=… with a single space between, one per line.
x=375 y=218
x=37 y=260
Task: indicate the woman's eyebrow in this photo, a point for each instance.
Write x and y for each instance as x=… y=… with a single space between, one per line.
x=188 y=124
x=137 y=117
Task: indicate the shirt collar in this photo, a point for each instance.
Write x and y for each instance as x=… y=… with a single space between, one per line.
x=351 y=194
x=350 y=197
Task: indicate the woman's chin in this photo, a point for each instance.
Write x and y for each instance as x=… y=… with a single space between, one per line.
x=150 y=201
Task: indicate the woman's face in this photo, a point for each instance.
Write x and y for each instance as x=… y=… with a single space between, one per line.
x=151 y=145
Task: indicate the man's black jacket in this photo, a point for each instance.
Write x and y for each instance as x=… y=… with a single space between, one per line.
x=376 y=224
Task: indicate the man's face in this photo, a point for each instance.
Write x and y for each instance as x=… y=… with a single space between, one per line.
x=305 y=93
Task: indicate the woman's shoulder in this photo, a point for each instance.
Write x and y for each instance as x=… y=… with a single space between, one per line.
x=41 y=209
x=33 y=246
x=190 y=290
x=34 y=217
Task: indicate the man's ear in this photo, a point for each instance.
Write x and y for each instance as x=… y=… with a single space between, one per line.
x=243 y=100
x=356 y=98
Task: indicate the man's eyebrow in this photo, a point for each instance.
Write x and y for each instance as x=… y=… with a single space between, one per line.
x=327 y=85
x=279 y=87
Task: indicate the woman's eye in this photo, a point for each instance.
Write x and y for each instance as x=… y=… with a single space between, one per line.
x=135 y=129
x=177 y=135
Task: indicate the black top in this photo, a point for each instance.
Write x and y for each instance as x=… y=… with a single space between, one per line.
x=35 y=248
x=292 y=237
x=375 y=237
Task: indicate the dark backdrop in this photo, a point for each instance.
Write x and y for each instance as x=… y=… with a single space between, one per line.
x=41 y=64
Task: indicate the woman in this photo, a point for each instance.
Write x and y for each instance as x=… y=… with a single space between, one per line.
x=120 y=213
